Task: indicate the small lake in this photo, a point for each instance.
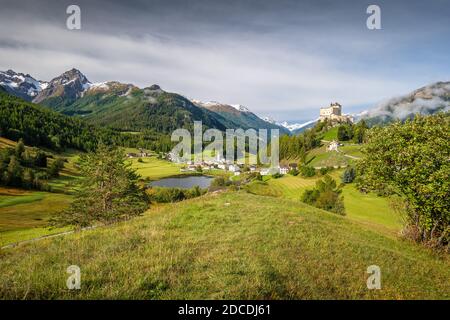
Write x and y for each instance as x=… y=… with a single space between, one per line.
x=183 y=182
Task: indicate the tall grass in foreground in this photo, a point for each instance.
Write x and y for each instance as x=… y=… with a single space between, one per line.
x=226 y=246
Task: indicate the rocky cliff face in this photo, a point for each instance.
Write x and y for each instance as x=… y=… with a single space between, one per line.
x=70 y=85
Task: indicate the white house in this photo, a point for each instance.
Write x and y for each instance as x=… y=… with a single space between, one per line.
x=333 y=146
x=284 y=170
x=233 y=168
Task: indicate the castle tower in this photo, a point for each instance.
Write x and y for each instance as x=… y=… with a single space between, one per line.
x=333 y=113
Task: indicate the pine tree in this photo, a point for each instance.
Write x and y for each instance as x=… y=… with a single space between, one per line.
x=349 y=175
x=14 y=173
x=109 y=191
x=20 y=149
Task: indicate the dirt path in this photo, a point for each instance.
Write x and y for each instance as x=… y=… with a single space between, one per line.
x=351 y=157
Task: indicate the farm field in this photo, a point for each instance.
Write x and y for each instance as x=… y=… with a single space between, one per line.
x=231 y=245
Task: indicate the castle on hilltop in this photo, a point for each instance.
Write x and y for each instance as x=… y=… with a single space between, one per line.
x=334 y=114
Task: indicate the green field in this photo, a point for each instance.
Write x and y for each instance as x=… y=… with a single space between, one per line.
x=369 y=209
x=331 y=134
x=24 y=214
x=320 y=157
x=69 y=178
x=8 y=200
x=226 y=246
x=154 y=168
x=352 y=150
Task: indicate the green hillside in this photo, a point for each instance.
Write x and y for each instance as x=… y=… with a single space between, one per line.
x=139 y=109
x=242 y=119
x=230 y=245
x=331 y=134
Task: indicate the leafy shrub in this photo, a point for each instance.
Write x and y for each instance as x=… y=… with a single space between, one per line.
x=412 y=158
x=167 y=195
x=307 y=171
x=325 y=170
x=326 y=195
x=219 y=181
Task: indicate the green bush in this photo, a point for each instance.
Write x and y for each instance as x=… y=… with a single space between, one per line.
x=307 y=171
x=167 y=195
x=219 y=182
x=326 y=195
x=325 y=170
x=412 y=159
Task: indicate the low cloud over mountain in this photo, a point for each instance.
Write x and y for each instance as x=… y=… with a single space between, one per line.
x=426 y=100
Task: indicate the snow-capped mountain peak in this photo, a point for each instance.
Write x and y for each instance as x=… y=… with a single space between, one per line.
x=71 y=76
x=240 y=107
x=22 y=85
x=296 y=126
x=290 y=126
x=71 y=84
x=269 y=120
x=237 y=107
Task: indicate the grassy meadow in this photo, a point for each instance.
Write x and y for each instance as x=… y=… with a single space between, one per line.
x=331 y=134
x=231 y=245
x=24 y=215
x=257 y=243
x=154 y=168
x=368 y=209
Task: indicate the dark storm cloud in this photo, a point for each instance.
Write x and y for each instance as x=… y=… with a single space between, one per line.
x=284 y=58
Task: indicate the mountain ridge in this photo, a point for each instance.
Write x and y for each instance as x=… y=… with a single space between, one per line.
x=128 y=107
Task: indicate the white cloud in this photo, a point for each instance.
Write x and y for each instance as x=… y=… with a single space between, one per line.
x=264 y=72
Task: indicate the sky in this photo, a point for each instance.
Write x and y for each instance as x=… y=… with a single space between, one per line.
x=283 y=59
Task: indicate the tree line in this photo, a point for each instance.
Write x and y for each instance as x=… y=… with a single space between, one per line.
x=39 y=126
x=22 y=168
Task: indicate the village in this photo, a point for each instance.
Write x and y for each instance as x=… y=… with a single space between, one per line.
x=333 y=114
x=219 y=163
